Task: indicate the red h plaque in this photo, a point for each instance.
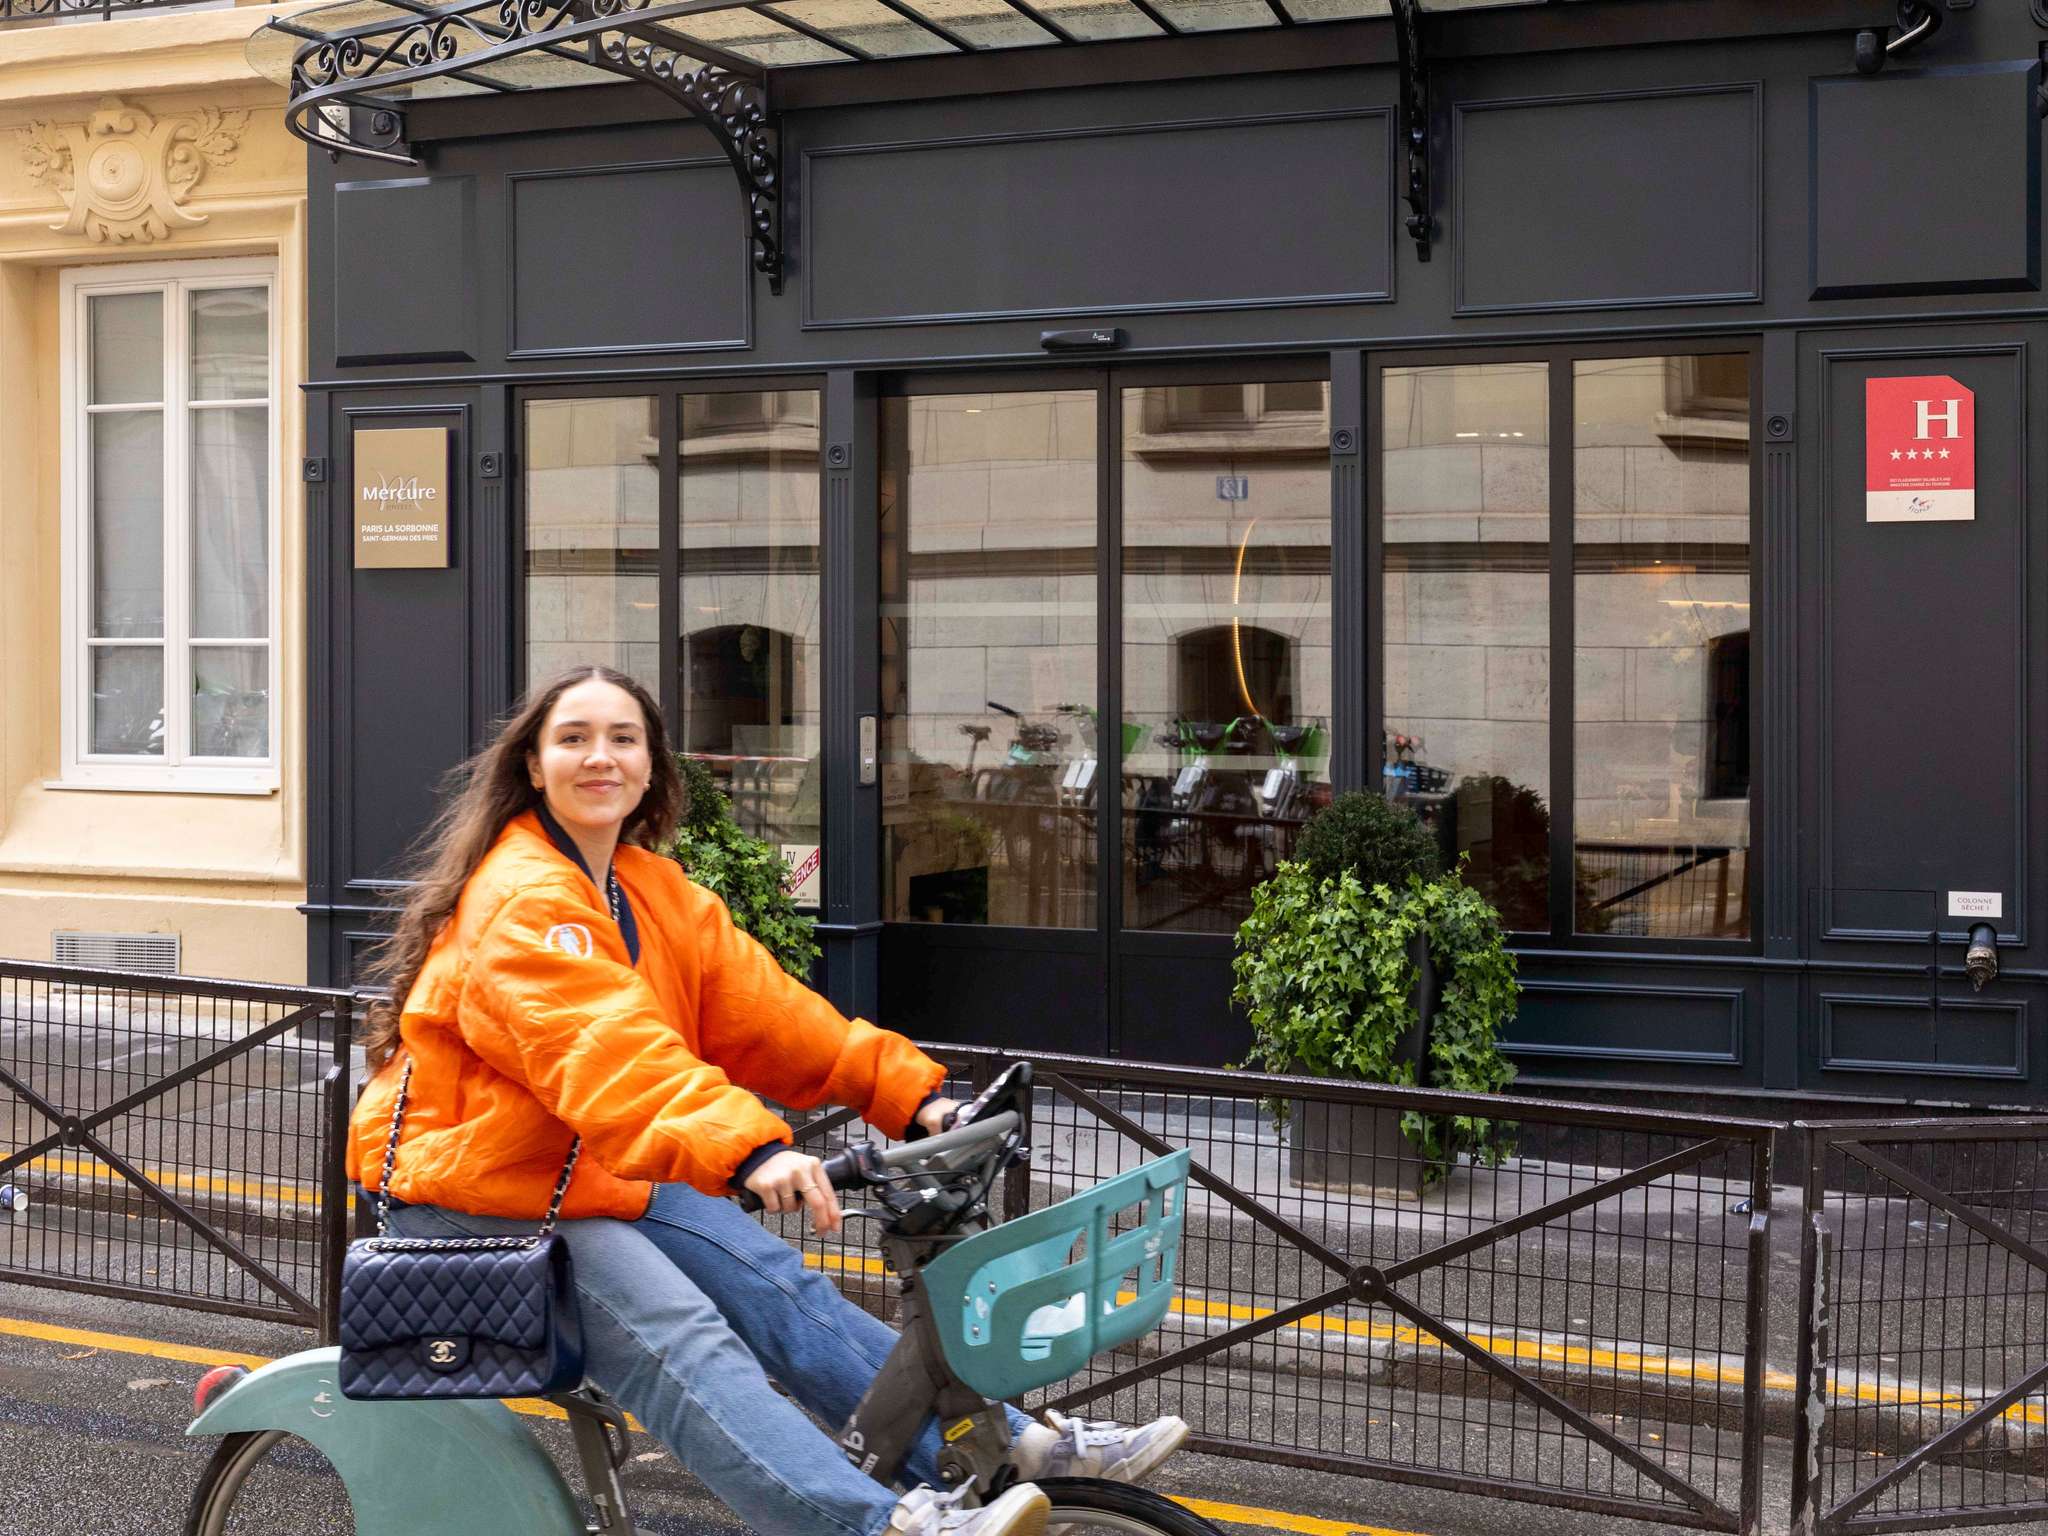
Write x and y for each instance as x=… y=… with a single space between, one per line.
x=1920 y=450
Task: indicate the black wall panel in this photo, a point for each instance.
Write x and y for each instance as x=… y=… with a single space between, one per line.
x=645 y=258
x=1173 y=1004
x=1926 y=181
x=1571 y=202
x=406 y=677
x=404 y=263
x=1039 y=991
x=1899 y=1034
x=1922 y=698
x=1588 y=1021
x=1184 y=215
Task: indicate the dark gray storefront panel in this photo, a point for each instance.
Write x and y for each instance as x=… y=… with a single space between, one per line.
x=994 y=986
x=668 y=240
x=1173 y=999
x=1613 y=192
x=1900 y=1035
x=1922 y=687
x=1573 y=1024
x=1579 y=202
x=1927 y=181
x=404 y=270
x=382 y=747
x=1171 y=215
x=1923 y=645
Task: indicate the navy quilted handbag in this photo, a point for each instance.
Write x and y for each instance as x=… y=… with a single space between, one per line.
x=425 y=1317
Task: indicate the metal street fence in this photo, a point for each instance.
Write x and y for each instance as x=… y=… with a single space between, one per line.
x=1581 y=1325
x=177 y=1140
x=1923 y=1372
x=1581 y=1322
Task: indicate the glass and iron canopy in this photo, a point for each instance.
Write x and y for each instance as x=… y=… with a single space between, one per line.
x=353 y=68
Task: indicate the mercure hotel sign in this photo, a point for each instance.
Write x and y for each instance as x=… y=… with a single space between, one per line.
x=401 y=480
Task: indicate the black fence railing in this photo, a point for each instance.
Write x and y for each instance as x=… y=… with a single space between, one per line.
x=1582 y=1322
x=1924 y=1353
x=1580 y=1325
x=84 y=10
x=173 y=1139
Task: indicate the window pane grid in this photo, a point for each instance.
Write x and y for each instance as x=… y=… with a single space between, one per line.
x=990 y=684
x=749 y=616
x=1225 y=614
x=1465 y=604
x=201 y=484
x=1661 y=698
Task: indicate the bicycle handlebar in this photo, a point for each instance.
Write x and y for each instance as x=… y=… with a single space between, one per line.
x=858 y=1165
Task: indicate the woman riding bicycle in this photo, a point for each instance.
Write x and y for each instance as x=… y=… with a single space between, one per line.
x=551 y=977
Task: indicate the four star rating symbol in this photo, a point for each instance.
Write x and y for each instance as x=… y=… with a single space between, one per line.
x=1921 y=453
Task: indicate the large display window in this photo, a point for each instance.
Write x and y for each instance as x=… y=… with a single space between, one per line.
x=1523 y=568
x=1181 y=530
x=675 y=537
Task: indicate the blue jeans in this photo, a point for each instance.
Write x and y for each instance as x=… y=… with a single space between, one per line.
x=686 y=1313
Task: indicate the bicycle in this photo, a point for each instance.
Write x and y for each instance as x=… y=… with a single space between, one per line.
x=988 y=1311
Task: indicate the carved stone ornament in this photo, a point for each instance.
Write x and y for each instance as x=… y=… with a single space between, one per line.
x=125 y=173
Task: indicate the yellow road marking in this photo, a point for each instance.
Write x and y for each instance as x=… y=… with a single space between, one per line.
x=51 y=1333
x=289 y=1192
x=1279 y=1520
x=190 y=1354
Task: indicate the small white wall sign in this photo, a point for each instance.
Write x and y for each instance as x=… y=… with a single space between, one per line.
x=1976 y=904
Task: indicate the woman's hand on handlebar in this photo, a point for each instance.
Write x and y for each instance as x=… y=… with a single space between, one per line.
x=933 y=1116
x=790 y=1180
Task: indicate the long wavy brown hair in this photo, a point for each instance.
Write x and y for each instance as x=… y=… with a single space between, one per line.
x=479 y=798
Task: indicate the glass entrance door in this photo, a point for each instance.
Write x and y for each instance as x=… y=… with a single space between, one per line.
x=1106 y=696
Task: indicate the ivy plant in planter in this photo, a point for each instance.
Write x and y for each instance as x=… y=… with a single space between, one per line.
x=1345 y=947
x=746 y=873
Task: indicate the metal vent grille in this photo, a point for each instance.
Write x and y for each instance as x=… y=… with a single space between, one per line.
x=117 y=951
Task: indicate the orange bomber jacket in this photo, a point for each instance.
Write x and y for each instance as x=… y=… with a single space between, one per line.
x=530 y=1023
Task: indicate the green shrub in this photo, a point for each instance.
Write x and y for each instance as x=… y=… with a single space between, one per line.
x=1325 y=975
x=746 y=873
x=1380 y=843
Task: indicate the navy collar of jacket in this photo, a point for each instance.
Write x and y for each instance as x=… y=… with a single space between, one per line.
x=611 y=885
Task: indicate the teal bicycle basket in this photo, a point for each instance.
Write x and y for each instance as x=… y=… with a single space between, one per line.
x=1030 y=1302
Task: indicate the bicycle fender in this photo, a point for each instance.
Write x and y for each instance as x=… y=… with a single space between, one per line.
x=456 y=1468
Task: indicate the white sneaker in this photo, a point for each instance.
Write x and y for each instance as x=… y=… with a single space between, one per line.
x=925 y=1511
x=1095 y=1448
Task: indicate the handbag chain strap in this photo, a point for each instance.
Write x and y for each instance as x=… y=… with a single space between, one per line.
x=391 y=1157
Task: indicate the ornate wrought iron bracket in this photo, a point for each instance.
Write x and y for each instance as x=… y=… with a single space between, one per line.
x=338 y=80
x=735 y=109
x=1414 y=126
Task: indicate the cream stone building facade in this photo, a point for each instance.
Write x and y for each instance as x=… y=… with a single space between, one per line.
x=152 y=562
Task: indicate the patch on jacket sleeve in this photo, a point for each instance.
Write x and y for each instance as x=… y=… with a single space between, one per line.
x=572 y=939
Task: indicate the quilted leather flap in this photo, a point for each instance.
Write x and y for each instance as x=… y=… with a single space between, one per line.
x=397 y=1289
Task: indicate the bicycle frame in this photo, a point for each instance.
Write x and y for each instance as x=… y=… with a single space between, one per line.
x=457 y=1468
x=915 y=1384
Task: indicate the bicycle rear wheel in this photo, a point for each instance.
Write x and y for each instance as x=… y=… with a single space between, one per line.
x=1091 y=1506
x=257 y=1482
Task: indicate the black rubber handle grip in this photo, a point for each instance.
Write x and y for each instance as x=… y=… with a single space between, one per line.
x=842 y=1171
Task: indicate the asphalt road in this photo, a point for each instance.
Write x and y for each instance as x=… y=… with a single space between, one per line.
x=92 y=1441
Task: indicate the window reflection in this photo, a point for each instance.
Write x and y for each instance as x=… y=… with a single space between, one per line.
x=1661 y=697
x=1466 y=615
x=1226 y=642
x=592 y=546
x=749 y=616
x=988 y=733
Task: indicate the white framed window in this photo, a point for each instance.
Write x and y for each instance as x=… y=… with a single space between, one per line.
x=170 y=526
